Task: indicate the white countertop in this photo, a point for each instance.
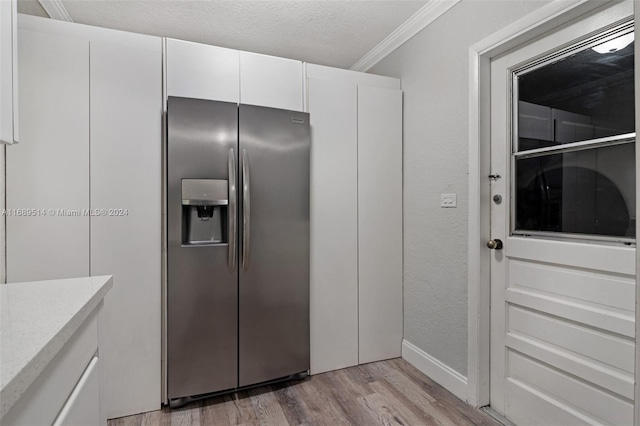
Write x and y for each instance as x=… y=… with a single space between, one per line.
x=36 y=320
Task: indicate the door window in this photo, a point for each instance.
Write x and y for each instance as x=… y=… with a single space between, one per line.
x=573 y=156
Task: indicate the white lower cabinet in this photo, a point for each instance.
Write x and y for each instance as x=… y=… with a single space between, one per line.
x=83 y=406
x=67 y=391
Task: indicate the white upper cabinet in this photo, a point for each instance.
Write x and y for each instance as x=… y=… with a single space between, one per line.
x=201 y=71
x=208 y=72
x=8 y=72
x=271 y=81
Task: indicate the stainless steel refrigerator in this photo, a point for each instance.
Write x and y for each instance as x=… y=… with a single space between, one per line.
x=237 y=247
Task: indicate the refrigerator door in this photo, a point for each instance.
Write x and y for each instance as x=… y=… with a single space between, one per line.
x=202 y=295
x=274 y=244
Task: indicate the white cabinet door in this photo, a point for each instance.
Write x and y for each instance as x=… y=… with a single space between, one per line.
x=83 y=406
x=333 y=112
x=126 y=142
x=379 y=223
x=8 y=71
x=204 y=72
x=49 y=170
x=270 y=81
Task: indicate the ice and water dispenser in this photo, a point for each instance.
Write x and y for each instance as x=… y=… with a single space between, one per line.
x=204 y=211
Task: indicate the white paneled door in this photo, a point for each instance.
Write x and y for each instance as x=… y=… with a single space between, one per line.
x=563 y=225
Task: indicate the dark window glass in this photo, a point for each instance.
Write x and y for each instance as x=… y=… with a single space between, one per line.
x=582 y=192
x=587 y=95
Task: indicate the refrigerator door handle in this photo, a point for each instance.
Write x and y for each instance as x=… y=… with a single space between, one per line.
x=231 y=212
x=246 y=210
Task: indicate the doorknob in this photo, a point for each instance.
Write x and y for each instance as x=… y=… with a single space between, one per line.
x=495 y=244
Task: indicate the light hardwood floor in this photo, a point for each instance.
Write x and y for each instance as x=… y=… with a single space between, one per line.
x=381 y=393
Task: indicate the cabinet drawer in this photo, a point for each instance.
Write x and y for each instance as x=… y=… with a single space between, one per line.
x=42 y=401
x=83 y=406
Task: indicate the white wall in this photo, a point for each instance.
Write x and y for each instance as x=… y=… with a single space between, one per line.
x=434 y=68
x=31 y=7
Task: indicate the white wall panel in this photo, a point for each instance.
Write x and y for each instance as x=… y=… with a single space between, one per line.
x=379 y=223
x=49 y=169
x=334 y=224
x=126 y=142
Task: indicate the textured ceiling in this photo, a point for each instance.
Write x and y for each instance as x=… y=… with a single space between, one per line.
x=336 y=33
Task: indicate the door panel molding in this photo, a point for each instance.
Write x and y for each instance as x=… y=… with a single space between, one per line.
x=620 y=261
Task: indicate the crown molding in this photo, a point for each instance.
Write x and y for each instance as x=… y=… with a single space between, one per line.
x=418 y=21
x=56 y=10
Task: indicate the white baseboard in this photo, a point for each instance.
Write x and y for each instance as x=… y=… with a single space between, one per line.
x=440 y=373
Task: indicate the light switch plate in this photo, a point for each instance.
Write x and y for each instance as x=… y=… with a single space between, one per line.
x=448 y=200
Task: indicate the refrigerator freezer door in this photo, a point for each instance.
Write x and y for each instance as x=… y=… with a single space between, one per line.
x=274 y=284
x=202 y=296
